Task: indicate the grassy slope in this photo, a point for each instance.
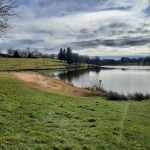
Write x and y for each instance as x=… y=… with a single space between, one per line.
x=35 y=119
x=27 y=63
x=24 y=63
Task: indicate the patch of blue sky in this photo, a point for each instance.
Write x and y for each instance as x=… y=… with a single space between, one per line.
x=146 y=11
x=24 y=2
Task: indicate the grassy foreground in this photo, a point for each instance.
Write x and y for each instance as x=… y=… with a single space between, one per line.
x=35 y=119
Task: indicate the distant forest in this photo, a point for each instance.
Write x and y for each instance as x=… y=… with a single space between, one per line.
x=68 y=56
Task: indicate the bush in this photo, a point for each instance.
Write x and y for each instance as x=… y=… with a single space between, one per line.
x=115 y=96
x=139 y=96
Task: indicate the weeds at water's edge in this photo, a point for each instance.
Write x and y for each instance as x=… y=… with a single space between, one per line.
x=115 y=96
x=110 y=95
x=136 y=96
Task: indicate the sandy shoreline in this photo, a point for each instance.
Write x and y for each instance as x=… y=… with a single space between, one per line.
x=52 y=85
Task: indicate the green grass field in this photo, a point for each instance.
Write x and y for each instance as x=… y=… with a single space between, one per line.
x=35 y=119
x=26 y=63
x=31 y=63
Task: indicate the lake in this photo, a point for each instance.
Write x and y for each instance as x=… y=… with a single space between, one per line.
x=121 y=79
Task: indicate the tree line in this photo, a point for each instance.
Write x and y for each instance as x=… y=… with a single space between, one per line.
x=70 y=58
x=126 y=61
x=27 y=53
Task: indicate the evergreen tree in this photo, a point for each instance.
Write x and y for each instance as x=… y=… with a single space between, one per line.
x=69 y=56
x=64 y=55
x=30 y=55
x=60 y=55
x=16 y=54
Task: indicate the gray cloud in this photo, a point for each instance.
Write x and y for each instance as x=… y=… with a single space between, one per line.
x=51 y=8
x=42 y=31
x=31 y=42
x=119 y=25
x=112 y=29
x=83 y=31
x=126 y=42
x=85 y=25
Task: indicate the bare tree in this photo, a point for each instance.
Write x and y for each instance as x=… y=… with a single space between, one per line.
x=1 y=52
x=52 y=56
x=10 y=51
x=40 y=55
x=8 y=11
x=36 y=52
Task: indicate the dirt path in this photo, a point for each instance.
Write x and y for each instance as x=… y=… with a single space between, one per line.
x=53 y=85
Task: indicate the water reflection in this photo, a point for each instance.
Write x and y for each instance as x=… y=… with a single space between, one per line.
x=129 y=67
x=69 y=76
x=126 y=80
x=124 y=69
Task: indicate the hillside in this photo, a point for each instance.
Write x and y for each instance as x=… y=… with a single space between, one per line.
x=33 y=118
x=31 y=63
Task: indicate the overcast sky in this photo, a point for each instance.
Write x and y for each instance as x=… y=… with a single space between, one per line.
x=91 y=27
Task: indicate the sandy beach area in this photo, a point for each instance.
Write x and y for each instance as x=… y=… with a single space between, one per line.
x=52 y=85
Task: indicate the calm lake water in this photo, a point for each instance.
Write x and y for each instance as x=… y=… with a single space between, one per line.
x=121 y=79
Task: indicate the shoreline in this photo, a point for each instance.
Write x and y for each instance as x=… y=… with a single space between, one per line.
x=52 y=85
x=40 y=80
